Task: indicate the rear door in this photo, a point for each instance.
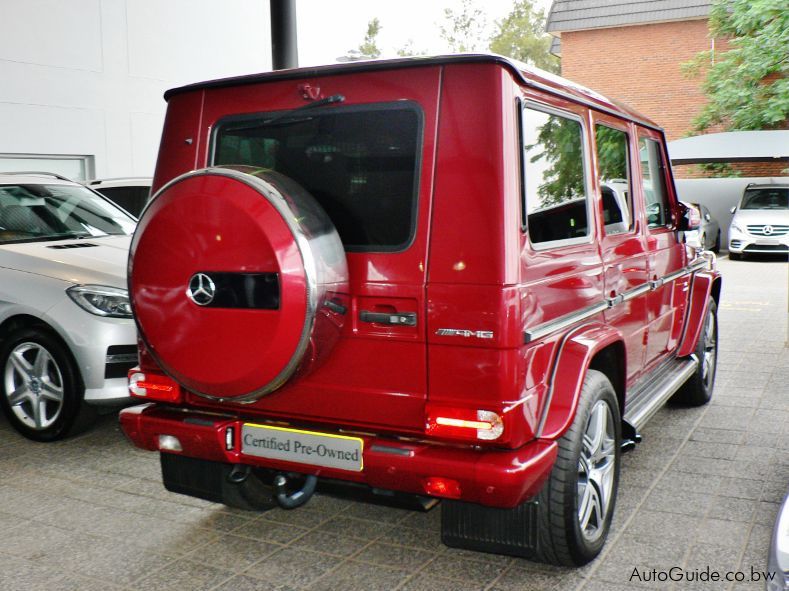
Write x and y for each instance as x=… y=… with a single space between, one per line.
x=665 y=305
x=622 y=243
x=367 y=159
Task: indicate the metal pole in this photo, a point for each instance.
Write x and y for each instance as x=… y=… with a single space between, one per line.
x=284 y=44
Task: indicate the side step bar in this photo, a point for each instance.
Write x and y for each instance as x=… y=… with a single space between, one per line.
x=650 y=394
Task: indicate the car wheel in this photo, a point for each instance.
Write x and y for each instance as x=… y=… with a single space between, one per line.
x=698 y=389
x=576 y=505
x=41 y=391
x=734 y=256
x=716 y=248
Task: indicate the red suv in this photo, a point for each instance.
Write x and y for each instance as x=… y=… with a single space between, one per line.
x=453 y=278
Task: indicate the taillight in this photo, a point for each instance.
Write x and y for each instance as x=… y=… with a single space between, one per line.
x=153 y=386
x=463 y=423
x=437 y=486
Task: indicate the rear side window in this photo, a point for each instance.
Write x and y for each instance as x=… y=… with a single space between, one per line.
x=653 y=178
x=132 y=199
x=614 y=170
x=360 y=163
x=555 y=202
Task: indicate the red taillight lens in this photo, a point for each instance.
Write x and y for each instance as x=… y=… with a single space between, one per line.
x=152 y=386
x=463 y=423
x=436 y=486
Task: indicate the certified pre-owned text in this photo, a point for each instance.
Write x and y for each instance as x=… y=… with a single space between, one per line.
x=297 y=447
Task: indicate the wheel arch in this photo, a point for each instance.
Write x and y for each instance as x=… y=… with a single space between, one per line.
x=21 y=321
x=703 y=286
x=599 y=347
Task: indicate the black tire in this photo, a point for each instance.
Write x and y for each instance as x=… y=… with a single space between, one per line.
x=697 y=391
x=562 y=539
x=716 y=248
x=734 y=256
x=36 y=365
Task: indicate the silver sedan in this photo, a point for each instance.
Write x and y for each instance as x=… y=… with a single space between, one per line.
x=66 y=334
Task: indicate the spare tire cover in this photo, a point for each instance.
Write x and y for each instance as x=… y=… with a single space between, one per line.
x=236 y=278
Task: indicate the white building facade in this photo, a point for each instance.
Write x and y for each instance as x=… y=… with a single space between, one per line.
x=81 y=81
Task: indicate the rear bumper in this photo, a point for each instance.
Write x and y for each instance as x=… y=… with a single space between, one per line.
x=495 y=478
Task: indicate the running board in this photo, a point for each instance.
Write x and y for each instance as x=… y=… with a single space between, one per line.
x=651 y=393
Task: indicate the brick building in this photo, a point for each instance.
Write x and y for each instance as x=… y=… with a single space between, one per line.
x=633 y=50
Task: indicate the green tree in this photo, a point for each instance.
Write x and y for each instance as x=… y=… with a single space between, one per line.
x=408 y=50
x=463 y=30
x=748 y=85
x=369 y=48
x=559 y=147
x=521 y=35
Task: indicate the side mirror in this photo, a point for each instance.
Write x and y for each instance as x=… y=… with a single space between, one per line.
x=707 y=217
x=733 y=209
x=688 y=218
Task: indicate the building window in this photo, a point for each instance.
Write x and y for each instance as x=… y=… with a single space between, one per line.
x=74 y=167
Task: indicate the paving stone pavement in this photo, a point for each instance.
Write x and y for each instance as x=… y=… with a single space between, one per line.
x=700 y=492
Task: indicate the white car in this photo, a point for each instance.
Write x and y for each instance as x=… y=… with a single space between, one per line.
x=761 y=222
x=67 y=338
x=778 y=558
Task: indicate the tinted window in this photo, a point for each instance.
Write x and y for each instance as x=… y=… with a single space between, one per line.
x=132 y=199
x=614 y=170
x=360 y=164
x=653 y=178
x=555 y=201
x=48 y=212
x=764 y=198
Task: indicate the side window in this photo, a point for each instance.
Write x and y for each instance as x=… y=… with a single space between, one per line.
x=653 y=178
x=614 y=170
x=555 y=200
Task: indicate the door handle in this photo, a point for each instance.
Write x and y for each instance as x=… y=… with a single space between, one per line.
x=393 y=318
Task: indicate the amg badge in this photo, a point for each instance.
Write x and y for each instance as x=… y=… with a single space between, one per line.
x=460 y=332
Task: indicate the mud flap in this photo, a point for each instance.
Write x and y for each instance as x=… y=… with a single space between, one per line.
x=490 y=529
x=208 y=480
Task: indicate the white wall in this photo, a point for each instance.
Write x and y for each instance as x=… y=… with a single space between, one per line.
x=86 y=77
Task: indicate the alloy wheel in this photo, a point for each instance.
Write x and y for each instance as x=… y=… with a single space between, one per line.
x=596 y=471
x=710 y=353
x=33 y=385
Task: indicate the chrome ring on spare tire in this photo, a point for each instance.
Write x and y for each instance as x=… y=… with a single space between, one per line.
x=596 y=471
x=33 y=385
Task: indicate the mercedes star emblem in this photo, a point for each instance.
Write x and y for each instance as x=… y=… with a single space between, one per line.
x=201 y=289
x=767 y=230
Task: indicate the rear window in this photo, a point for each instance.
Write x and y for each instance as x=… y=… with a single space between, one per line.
x=764 y=198
x=132 y=199
x=360 y=163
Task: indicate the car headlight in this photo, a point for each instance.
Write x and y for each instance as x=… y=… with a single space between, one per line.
x=101 y=300
x=737 y=228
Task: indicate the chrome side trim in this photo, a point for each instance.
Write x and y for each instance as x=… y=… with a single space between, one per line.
x=122 y=358
x=557 y=324
x=552 y=326
x=637 y=291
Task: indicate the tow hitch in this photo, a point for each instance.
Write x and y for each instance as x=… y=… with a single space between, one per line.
x=286 y=497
